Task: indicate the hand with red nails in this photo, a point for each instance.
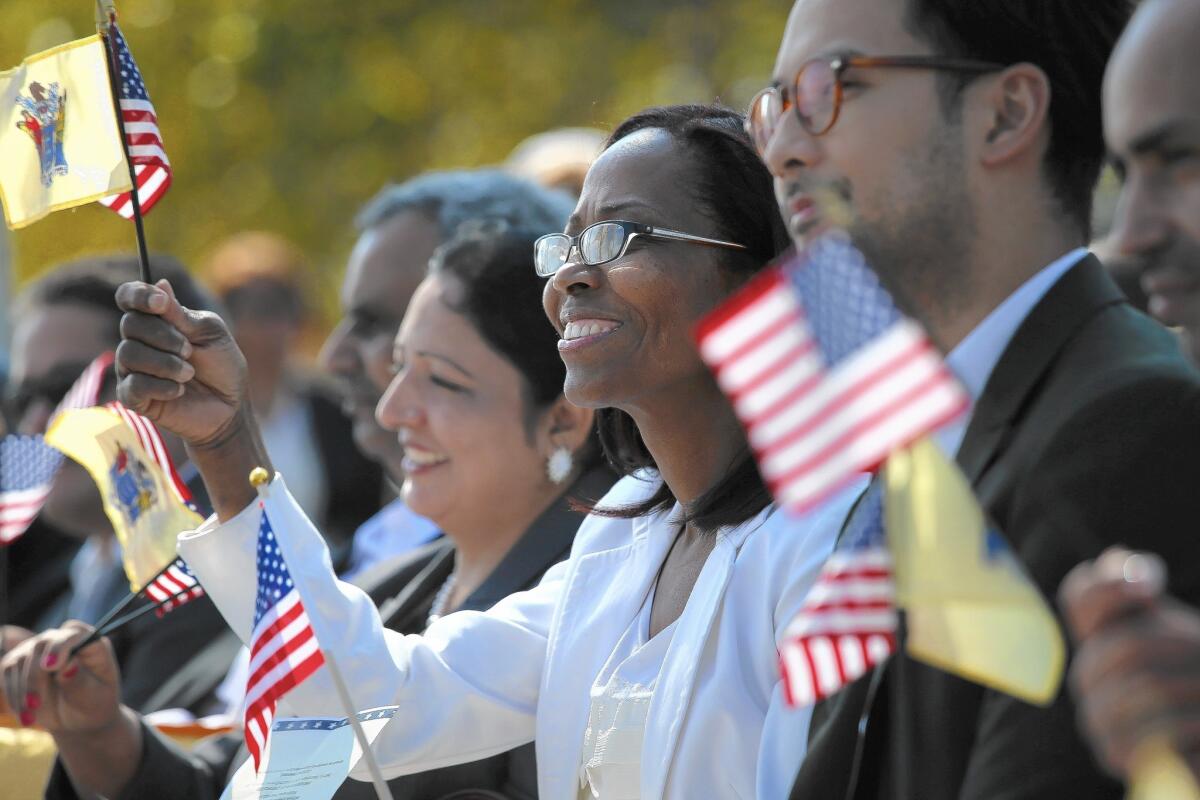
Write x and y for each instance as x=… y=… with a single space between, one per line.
x=182 y=369
x=1136 y=672
x=78 y=701
x=80 y=695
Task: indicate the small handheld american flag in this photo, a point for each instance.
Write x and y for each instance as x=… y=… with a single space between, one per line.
x=140 y=123
x=173 y=587
x=847 y=624
x=825 y=373
x=829 y=379
x=283 y=646
x=28 y=465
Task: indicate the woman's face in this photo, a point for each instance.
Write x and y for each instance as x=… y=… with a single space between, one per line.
x=460 y=413
x=637 y=312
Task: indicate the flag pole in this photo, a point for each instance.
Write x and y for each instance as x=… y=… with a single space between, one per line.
x=260 y=479
x=105 y=17
x=3 y=594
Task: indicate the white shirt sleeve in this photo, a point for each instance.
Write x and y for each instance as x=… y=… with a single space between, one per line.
x=467 y=688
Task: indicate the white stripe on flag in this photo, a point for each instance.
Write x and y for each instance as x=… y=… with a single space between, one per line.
x=268 y=681
x=831 y=621
x=774 y=306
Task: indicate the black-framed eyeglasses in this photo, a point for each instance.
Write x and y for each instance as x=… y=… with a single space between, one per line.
x=602 y=242
x=816 y=92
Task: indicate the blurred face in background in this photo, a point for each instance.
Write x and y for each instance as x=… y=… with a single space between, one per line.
x=1152 y=125
x=51 y=346
x=387 y=264
x=461 y=414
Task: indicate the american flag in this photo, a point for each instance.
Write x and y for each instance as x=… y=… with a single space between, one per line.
x=151 y=441
x=847 y=624
x=27 y=469
x=28 y=465
x=283 y=646
x=825 y=373
x=173 y=587
x=140 y=122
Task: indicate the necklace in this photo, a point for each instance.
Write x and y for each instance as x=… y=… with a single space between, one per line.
x=440 y=601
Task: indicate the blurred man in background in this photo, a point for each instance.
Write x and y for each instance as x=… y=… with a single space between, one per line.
x=258 y=278
x=1137 y=672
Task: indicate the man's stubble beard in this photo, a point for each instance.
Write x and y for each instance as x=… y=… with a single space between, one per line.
x=920 y=246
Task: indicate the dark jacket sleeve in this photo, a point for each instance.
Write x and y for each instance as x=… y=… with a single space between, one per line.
x=165 y=770
x=1122 y=471
x=150 y=650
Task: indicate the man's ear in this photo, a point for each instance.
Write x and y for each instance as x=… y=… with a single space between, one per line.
x=1017 y=103
x=567 y=425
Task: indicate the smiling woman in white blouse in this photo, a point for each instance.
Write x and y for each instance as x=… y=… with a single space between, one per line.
x=645 y=665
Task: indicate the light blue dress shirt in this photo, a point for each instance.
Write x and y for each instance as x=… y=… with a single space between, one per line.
x=976 y=355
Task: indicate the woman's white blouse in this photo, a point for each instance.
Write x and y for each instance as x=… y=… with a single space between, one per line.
x=479 y=683
x=620 y=703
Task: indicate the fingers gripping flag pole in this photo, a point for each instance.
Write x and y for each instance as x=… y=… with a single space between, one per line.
x=280 y=639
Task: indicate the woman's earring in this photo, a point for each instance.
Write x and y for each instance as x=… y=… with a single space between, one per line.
x=558 y=466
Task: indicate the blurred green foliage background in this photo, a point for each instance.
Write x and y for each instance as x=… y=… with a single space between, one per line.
x=287 y=115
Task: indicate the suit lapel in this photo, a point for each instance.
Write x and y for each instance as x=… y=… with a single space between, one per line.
x=1079 y=295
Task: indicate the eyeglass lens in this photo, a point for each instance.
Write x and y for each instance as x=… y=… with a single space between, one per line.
x=601 y=243
x=817 y=96
x=598 y=244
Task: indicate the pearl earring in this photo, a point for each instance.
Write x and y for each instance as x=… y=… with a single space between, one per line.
x=558 y=466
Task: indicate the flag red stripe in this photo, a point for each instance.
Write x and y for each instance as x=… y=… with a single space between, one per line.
x=856 y=432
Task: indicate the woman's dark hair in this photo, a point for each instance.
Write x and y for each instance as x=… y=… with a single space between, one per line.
x=732 y=187
x=500 y=293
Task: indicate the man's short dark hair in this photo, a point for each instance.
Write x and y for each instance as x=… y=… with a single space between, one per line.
x=1070 y=40
x=92 y=282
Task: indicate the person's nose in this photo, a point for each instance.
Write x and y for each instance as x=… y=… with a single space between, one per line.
x=1143 y=218
x=791 y=149
x=400 y=406
x=574 y=277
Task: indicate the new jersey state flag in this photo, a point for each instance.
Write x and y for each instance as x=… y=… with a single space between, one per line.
x=59 y=144
x=143 y=497
x=970 y=608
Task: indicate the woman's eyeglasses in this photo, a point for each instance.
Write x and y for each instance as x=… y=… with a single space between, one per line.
x=605 y=241
x=816 y=93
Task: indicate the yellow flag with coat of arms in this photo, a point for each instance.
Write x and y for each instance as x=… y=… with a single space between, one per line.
x=59 y=142
x=970 y=609
x=144 y=499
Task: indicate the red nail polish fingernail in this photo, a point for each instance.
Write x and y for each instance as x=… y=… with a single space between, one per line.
x=50 y=660
x=70 y=671
x=26 y=718
x=33 y=702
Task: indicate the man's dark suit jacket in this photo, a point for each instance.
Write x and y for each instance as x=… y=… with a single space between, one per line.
x=405 y=590
x=1087 y=435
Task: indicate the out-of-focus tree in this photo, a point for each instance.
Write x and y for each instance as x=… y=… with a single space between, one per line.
x=287 y=115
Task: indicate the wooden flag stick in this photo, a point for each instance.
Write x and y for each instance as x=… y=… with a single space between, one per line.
x=260 y=480
x=381 y=787
x=104 y=22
